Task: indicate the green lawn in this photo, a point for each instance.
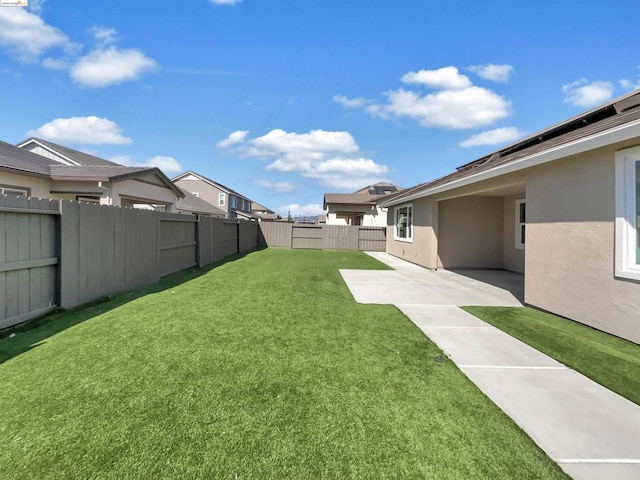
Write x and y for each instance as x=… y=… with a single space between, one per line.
x=610 y=361
x=261 y=368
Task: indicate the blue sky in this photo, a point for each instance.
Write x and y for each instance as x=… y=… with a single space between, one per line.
x=285 y=100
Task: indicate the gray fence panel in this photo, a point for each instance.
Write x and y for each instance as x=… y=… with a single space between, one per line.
x=307 y=237
x=276 y=234
x=178 y=245
x=105 y=250
x=230 y=237
x=248 y=232
x=28 y=258
x=340 y=237
x=372 y=239
x=330 y=237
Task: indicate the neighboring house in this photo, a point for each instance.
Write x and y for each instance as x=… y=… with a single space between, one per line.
x=263 y=213
x=359 y=208
x=232 y=203
x=561 y=206
x=91 y=180
x=193 y=205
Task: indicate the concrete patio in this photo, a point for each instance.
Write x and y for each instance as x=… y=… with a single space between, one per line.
x=590 y=431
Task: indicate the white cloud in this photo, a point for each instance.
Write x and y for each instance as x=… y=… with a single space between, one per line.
x=104 y=35
x=496 y=136
x=225 y=2
x=446 y=78
x=110 y=66
x=470 y=107
x=331 y=158
x=495 y=73
x=357 y=102
x=82 y=130
x=27 y=36
x=628 y=84
x=297 y=210
x=583 y=93
x=234 y=138
x=166 y=164
x=279 y=187
x=316 y=143
x=55 y=63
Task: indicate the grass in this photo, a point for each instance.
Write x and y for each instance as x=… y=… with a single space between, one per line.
x=609 y=360
x=263 y=367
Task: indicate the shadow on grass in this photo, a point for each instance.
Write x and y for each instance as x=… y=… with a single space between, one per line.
x=27 y=336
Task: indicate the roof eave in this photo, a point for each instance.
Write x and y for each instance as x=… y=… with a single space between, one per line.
x=618 y=134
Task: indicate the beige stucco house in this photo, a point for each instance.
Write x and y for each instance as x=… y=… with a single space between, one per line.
x=359 y=208
x=561 y=206
x=43 y=169
x=231 y=202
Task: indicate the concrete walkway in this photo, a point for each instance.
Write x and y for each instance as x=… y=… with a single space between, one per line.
x=591 y=432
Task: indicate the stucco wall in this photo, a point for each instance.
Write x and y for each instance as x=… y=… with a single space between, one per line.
x=512 y=257
x=569 y=255
x=39 y=187
x=371 y=217
x=470 y=232
x=423 y=249
x=143 y=191
x=205 y=191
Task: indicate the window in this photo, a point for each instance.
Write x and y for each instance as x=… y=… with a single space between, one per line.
x=234 y=202
x=404 y=223
x=521 y=221
x=627 y=240
x=221 y=199
x=14 y=191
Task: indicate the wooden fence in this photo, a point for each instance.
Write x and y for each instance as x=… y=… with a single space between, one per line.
x=68 y=253
x=28 y=258
x=323 y=237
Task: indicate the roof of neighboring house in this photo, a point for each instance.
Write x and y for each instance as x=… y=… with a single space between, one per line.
x=74 y=156
x=617 y=113
x=365 y=196
x=255 y=206
x=380 y=188
x=14 y=158
x=209 y=181
x=191 y=203
x=95 y=172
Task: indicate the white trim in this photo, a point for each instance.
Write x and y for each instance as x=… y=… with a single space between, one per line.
x=408 y=238
x=222 y=199
x=619 y=134
x=519 y=244
x=626 y=234
x=50 y=150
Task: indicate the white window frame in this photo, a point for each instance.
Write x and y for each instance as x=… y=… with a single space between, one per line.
x=21 y=192
x=409 y=237
x=221 y=199
x=519 y=240
x=627 y=265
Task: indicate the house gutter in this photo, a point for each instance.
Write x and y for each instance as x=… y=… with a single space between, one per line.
x=602 y=139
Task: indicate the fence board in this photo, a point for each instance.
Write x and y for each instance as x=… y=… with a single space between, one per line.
x=27 y=258
x=178 y=243
x=330 y=237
